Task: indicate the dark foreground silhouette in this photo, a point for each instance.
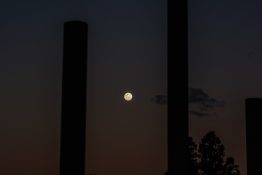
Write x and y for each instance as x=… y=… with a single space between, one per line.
x=208 y=158
x=73 y=113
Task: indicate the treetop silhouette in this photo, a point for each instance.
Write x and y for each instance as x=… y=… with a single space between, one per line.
x=207 y=158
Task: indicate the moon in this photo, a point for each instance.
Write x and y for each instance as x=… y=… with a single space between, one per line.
x=128 y=96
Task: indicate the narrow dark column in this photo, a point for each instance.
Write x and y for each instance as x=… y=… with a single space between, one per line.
x=72 y=149
x=177 y=87
x=253 y=135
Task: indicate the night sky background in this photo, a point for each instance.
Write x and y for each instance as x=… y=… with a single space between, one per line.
x=225 y=61
x=127 y=51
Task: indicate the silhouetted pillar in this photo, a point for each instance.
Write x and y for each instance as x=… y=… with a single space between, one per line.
x=253 y=135
x=178 y=156
x=72 y=148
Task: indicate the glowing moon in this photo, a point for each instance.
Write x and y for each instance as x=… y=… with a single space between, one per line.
x=128 y=96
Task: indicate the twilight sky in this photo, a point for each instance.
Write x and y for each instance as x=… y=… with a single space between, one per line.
x=225 y=61
x=127 y=51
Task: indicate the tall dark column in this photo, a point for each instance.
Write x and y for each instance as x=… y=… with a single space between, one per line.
x=72 y=148
x=177 y=87
x=253 y=135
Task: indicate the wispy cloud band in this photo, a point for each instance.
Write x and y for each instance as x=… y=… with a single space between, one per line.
x=201 y=104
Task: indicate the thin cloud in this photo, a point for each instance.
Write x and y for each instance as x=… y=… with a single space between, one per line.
x=160 y=99
x=201 y=104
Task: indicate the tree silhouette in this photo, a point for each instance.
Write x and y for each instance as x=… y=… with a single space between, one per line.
x=208 y=159
x=192 y=146
x=230 y=168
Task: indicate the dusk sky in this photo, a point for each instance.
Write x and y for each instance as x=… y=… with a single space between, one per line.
x=225 y=58
x=127 y=51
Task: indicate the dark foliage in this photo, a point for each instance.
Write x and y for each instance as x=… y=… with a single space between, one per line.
x=208 y=157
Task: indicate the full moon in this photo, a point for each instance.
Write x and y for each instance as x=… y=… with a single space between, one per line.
x=128 y=96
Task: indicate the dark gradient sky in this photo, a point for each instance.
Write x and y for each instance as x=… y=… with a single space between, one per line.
x=225 y=61
x=127 y=51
